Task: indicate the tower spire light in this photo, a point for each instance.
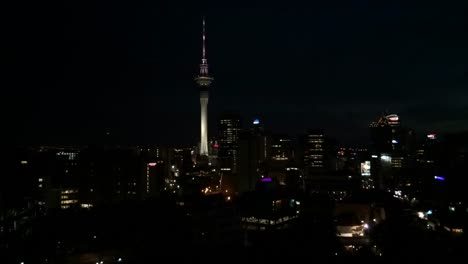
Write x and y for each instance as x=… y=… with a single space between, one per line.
x=204 y=61
x=204 y=52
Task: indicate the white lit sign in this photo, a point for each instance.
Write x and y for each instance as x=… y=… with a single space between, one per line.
x=386 y=158
x=393 y=118
x=366 y=168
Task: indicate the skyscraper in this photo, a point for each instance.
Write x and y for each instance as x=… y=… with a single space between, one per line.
x=228 y=134
x=385 y=134
x=204 y=82
x=281 y=148
x=254 y=149
x=315 y=154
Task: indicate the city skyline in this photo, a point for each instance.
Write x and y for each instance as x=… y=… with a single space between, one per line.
x=292 y=69
x=136 y=133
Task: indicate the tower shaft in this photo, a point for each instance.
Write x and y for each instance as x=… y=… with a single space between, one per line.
x=204 y=126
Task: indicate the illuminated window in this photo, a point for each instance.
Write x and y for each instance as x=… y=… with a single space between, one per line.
x=69 y=201
x=69 y=191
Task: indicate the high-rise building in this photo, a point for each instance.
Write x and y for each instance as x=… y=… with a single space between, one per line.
x=154 y=171
x=387 y=148
x=254 y=149
x=282 y=148
x=315 y=152
x=262 y=140
x=204 y=81
x=281 y=157
x=385 y=134
x=229 y=126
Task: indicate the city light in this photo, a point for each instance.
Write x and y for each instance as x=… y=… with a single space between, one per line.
x=432 y=136
x=386 y=158
x=393 y=118
x=152 y=164
x=394 y=141
x=266 y=180
x=439 y=178
x=366 y=168
x=256 y=121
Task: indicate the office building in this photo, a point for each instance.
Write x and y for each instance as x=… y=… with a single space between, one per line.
x=282 y=155
x=268 y=207
x=229 y=126
x=385 y=134
x=315 y=154
x=282 y=148
x=254 y=148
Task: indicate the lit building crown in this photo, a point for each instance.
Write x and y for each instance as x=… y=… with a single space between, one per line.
x=203 y=78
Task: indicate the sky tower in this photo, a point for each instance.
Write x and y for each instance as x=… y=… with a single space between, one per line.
x=204 y=82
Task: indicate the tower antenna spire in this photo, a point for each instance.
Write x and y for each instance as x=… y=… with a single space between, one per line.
x=204 y=36
x=204 y=61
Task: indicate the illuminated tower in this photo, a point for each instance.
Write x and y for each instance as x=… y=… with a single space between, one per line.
x=204 y=82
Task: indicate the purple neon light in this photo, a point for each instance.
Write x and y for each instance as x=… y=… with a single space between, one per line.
x=439 y=178
x=266 y=180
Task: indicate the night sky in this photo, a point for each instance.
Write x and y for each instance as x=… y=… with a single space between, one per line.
x=75 y=70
